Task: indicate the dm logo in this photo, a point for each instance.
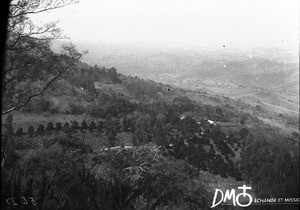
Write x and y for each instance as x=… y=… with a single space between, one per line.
x=231 y=195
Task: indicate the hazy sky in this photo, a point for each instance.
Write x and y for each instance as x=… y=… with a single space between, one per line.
x=182 y=23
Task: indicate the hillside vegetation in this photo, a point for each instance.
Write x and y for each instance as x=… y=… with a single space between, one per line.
x=146 y=144
x=266 y=78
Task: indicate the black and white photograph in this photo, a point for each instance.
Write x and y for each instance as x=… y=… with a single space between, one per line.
x=150 y=104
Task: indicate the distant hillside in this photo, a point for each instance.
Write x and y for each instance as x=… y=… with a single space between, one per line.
x=266 y=78
x=264 y=68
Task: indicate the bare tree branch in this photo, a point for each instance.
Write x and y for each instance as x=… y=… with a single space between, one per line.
x=32 y=96
x=29 y=59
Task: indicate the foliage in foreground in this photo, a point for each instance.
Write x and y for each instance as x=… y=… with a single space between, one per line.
x=140 y=178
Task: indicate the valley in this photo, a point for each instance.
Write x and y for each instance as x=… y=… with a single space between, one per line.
x=264 y=79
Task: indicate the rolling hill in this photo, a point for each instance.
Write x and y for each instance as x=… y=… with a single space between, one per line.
x=267 y=78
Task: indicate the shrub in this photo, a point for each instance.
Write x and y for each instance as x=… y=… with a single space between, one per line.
x=258 y=108
x=219 y=111
x=244 y=117
x=95 y=111
x=38 y=105
x=92 y=126
x=237 y=175
x=226 y=157
x=243 y=132
x=76 y=109
x=66 y=127
x=84 y=125
x=295 y=134
x=132 y=127
x=54 y=110
x=75 y=125
x=40 y=129
x=19 y=132
x=125 y=124
x=100 y=126
x=9 y=124
x=58 y=126
x=50 y=126
x=30 y=130
x=44 y=104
